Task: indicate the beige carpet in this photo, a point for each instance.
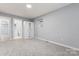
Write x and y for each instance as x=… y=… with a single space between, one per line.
x=33 y=48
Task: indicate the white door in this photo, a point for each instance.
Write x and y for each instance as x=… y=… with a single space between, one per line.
x=17 y=28
x=28 y=30
x=31 y=25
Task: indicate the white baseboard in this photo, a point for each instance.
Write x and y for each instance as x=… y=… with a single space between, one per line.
x=60 y=44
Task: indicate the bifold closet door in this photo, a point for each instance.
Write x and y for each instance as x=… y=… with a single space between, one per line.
x=5 y=28
x=28 y=30
x=31 y=25
x=17 y=28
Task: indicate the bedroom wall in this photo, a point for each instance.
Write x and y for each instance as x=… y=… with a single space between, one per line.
x=61 y=26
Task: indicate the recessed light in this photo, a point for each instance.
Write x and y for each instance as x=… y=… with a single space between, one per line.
x=28 y=5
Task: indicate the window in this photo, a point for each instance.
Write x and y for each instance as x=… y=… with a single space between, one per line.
x=4 y=28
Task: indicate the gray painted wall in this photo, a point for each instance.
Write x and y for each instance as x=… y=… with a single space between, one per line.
x=61 y=26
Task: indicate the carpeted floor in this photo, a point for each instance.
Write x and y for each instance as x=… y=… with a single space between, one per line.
x=33 y=48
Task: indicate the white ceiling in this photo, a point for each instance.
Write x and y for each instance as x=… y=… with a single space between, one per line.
x=36 y=10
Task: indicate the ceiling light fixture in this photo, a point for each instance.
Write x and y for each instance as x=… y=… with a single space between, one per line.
x=28 y=5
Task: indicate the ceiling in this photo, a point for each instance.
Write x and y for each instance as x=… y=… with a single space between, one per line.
x=36 y=10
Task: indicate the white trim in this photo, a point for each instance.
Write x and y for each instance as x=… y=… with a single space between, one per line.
x=60 y=44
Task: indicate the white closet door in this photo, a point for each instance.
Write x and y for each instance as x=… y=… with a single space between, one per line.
x=4 y=28
x=31 y=30
x=17 y=28
x=26 y=29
